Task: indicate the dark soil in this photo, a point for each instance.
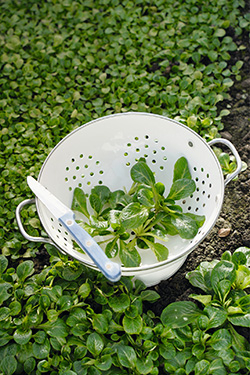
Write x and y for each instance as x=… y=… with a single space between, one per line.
x=235 y=213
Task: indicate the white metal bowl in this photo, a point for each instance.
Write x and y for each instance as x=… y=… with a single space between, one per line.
x=103 y=151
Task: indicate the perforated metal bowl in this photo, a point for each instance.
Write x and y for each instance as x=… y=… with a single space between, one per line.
x=103 y=151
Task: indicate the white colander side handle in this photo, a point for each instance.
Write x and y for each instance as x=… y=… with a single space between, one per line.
x=234 y=152
x=28 y=237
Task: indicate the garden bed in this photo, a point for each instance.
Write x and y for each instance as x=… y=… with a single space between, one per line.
x=235 y=214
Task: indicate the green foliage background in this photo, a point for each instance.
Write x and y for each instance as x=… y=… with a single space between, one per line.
x=63 y=63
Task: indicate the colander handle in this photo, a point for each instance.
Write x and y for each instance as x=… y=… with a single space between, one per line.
x=19 y=208
x=234 y=152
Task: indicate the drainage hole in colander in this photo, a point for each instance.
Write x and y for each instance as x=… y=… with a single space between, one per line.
x=129 y=144
x=125 y=154
x=86 y=166
x=195 y=169
x=79 y=185
x=77 y=167
x=72 y=160
x=210 y=185
x=67 y=168
x=66 y=179
x=81 y=156
x=74 y=177
x=136 y=138
x=137 y=150
x=147 y=136
x=91 y=174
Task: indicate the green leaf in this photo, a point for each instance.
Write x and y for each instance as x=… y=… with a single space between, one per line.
x=57 y=328
x=181 y=188
x=201 y=367
x=133 y=216
x=100 y=323
x=145 y=197
x=111 y=248
x=242 y=277
x=221 y=339
x=3 y=264
x=179 y=314
x=99 y=197
x=141 y=173
x=104 y=363
x=84 y=290
x=129 y=257
x=223 y=270
x=95 y=344
x=150 y=295
x=117 y=198
x=132 y=326
x=22 y=336
x=77 y=316
x=161 y=252
x=65 y=303
x=126 y=356
x=25 y=269
x=119 y=303
x=79 y=202
x=217 y=316
x=4 y=294
x=187 y=227
x=240 y=320
x=144 y=365
x=199 y=219
x=41 y=351
x=8 y=365
x=181 y=170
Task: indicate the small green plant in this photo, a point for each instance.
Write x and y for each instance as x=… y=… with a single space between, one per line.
x=205 y=340
x=227 y=162
x=140 y=216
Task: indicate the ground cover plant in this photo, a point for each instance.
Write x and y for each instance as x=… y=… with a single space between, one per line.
x=62 y=64
x=140 y=217
x=65 y=63
x=69 y=320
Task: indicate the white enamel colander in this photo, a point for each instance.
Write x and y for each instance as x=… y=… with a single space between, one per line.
x=103 y=152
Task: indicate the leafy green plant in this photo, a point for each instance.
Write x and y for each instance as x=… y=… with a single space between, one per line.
x=67 y=62
x=227 y=162
x=205 y=340
x=135 y=219
x=70 y=320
